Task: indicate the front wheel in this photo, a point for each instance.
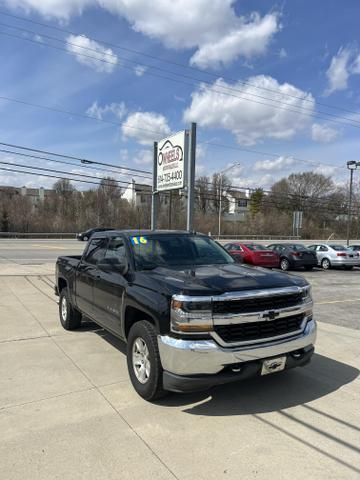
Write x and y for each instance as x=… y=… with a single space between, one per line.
x=143 y=361
x=70 y=318
x=284 y=264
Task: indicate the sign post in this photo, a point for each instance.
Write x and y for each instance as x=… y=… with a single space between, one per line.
x=297 y=222
x=191 y=180
x=154 y=203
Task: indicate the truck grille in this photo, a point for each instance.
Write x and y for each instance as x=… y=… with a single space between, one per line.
x=242 y=332
x=251 y=305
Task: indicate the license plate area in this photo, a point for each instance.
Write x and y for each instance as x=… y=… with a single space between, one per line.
x=273 y=365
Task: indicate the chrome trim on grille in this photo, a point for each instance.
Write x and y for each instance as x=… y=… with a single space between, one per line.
x=241 y=295
x=235 y=318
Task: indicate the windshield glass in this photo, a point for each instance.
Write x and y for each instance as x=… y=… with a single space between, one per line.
x=338 y=248
x=255 y=246
x=151 y=251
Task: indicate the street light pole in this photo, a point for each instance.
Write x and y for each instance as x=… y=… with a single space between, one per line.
x=220 y=192
x=351 y=165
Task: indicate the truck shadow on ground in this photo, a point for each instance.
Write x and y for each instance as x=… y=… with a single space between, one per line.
x=270 y=393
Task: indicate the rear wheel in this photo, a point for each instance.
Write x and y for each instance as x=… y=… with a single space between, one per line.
x=143 y=361
x=70 y=318
x=85 y=238
x=284 y=264
x=325 y=263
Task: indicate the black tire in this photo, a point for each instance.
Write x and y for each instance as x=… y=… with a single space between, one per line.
x=70 y=318
x=284 y=264
x=151 y=386
x=325 y=264
x=308 y=268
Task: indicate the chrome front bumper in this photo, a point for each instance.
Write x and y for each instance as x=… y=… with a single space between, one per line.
x=197 y=357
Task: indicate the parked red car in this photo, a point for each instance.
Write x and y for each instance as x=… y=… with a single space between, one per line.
x=254 y=254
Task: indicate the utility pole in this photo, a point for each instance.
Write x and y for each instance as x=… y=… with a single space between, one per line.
x=154 y=203
x=191 y=180
x=351 y=165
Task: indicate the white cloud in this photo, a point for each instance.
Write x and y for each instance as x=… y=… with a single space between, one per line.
x=90 y=53
x=213 y=28
x=283 y=53
x=250 y=121
x=326 y=170
x=144 y=157
x=249 y=38
x=338 y=72
x=145 y=127
x=344 y=64
x=323 y=133
x=118 y=109
x=280 y=163
x=61 y=9
x=140 y=70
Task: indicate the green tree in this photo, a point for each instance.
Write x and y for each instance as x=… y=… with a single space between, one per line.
x=256 y=200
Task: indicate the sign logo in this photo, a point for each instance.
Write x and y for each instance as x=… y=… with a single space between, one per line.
x=170 y=153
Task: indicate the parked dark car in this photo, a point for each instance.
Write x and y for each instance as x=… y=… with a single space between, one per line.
x=294 y=255
x=85 y=236
x=192 y=318
x=253 y=254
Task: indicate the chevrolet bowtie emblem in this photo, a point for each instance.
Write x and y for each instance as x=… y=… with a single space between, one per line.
x=269 y=315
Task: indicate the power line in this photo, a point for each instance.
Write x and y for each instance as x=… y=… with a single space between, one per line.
x=293 y=109
x=71 y=157
x=178 y=64
x=76 y=114
x=72 y=164
x=269 y=154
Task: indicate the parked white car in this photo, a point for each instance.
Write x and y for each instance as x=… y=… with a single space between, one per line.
x=333 y=255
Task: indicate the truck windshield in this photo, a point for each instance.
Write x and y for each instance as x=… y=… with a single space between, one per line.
x=153 y=251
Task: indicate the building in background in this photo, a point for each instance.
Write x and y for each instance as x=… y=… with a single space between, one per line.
x=35 y=195
x=237 y=205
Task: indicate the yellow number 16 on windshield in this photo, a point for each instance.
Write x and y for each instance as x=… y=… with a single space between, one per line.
x=139 y=240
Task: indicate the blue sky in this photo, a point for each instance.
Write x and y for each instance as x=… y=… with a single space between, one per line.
x=273 y=73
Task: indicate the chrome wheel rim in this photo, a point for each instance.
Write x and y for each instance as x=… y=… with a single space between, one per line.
x=284 y=265
x=64 y=309
x=326 y=264
x=140 y=360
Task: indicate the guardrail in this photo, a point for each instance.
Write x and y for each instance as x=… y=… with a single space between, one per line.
x=256 y=237
x=36 y=235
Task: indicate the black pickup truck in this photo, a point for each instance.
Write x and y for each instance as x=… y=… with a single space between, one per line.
x=192 y=318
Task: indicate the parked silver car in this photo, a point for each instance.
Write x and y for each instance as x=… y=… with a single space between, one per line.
x=333 y=255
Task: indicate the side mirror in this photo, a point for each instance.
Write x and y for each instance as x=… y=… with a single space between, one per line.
x=113 y=265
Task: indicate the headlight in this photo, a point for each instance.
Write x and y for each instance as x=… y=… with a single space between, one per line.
x=307 y=297
x=191 y=316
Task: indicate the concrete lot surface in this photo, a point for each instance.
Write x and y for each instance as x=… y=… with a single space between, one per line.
x=68 y=411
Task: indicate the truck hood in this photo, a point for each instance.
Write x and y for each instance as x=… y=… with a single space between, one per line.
x=213 y=279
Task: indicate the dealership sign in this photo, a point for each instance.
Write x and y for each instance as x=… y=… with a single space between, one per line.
x=171 y=161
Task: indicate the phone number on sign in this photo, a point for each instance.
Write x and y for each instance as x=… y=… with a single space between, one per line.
x=170 y=177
